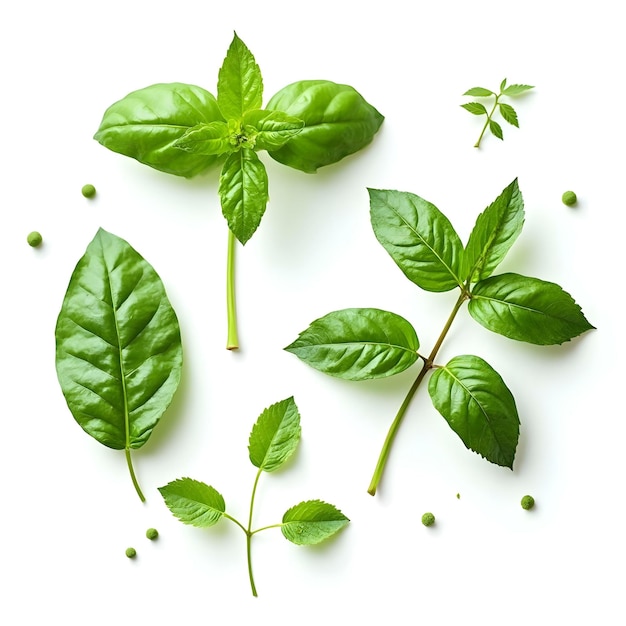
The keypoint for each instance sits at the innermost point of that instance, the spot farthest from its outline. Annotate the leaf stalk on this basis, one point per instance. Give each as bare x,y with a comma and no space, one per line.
493,110
129,462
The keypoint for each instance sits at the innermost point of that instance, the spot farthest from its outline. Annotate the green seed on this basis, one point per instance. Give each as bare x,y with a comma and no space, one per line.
131,553
34,239
89,191
428,519
569,198
152,533
528,502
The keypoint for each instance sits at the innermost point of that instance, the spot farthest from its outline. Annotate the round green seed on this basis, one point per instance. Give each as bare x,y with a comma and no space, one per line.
152,533
131,553
89,191
34,239
528,502
569,198
428,519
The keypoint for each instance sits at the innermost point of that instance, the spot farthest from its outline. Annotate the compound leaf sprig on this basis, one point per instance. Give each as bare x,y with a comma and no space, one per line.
508,113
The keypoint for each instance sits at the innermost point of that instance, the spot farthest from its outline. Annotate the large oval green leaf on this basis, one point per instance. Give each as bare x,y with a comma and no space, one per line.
312,522
146,124
118,345
338,121
358,344
478,406
527,309
418,237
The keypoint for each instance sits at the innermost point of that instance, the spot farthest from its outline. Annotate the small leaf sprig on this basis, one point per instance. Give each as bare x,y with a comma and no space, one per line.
273,439
361,344
508,113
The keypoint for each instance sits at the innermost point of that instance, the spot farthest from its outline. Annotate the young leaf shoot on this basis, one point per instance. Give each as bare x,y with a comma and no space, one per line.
360,344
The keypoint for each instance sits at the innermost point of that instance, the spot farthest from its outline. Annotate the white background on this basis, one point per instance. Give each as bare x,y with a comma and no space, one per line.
68,508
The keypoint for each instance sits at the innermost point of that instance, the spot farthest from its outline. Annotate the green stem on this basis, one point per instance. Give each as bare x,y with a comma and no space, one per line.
132,475
232,342
495,104
395,426
249,534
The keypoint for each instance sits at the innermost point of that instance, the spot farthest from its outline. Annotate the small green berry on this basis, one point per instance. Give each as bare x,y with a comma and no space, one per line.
152,533
89,191
428,519
131,553
569,198
34,239
528,502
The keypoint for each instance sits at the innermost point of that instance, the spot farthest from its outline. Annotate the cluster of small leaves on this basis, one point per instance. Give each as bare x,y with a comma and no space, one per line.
273,440
508,113
360,344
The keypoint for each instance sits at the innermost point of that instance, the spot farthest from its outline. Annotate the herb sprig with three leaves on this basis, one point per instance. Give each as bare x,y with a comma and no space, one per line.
273,439
184,130
360,344
508,113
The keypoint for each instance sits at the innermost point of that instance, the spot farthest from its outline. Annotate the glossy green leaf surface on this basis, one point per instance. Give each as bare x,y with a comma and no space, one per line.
118,345
338,122
527,309
495,231
206,139
239,82
243,192
273,129
147,123
193,502
358,344
312,522
275,435
478,406
418,237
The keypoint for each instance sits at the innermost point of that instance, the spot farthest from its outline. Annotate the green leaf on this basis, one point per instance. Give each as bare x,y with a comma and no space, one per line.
275,435
479,92
193,502
495,129
146,124
516,90
502,85
509,114
495,231
312,522
419,238
118,346
475,107
527,309
338,122
239,83
206,139
358,344
478,406
243,192
274,128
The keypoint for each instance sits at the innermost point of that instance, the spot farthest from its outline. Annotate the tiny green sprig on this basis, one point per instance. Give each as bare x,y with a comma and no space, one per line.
508,113
274,438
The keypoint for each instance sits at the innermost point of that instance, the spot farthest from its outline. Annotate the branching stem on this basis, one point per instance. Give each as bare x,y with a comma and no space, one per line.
395,426
493,110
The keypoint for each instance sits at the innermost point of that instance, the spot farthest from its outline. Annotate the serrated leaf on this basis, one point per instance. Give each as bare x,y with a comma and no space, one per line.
509,114
275,435
193,502
516,90
239,82
478,406
418,237
206,139
312,522
273,128
527,309
495,129
475,108
358,344
479,92
495,231
243,191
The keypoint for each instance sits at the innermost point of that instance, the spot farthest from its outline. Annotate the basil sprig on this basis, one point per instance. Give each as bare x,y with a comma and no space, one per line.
359,344
184,130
